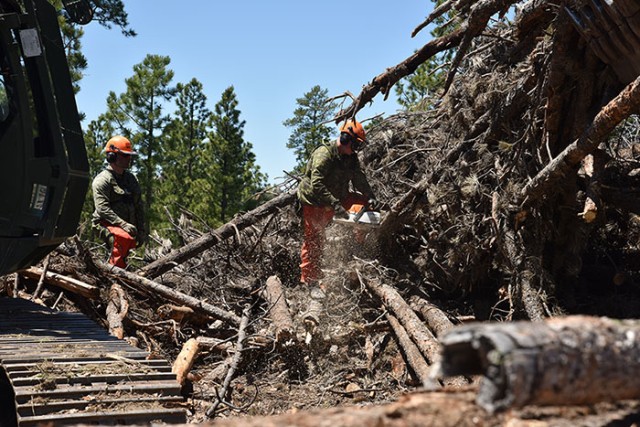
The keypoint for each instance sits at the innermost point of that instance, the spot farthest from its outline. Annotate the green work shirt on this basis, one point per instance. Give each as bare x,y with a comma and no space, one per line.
327,177
117,199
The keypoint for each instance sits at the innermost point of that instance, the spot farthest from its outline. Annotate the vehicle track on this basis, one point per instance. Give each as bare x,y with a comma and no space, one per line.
63,368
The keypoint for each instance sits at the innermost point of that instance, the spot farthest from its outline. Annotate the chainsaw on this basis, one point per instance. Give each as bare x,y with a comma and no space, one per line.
361,217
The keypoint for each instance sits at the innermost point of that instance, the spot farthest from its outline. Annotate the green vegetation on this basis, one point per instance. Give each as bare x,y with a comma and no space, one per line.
309,124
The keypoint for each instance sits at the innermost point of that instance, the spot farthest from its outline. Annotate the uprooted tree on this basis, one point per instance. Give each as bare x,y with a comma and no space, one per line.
510,197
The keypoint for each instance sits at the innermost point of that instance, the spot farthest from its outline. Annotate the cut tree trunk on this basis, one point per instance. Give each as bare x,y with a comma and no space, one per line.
273,293
209,240
419,333
117,310
185,360
577,360
68,283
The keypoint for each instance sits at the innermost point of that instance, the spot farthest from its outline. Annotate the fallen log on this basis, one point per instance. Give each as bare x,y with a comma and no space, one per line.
433,409
149,286
207,241
437,319
418,332
273,293
185,360
412,354
576,360
67,283
117,310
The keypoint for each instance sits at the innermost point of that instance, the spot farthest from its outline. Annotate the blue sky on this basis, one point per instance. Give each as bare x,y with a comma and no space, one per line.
272,52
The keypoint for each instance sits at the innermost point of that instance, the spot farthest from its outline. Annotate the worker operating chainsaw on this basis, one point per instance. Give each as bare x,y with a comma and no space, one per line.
324,193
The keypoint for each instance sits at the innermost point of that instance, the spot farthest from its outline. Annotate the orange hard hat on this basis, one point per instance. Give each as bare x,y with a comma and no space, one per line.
355,129
119,144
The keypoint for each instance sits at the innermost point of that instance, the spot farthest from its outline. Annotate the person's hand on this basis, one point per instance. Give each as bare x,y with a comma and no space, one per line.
340,212
373,204
130,228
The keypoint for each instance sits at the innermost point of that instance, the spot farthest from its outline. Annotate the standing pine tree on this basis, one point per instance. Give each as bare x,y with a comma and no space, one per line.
138,115
186,165
419,90
308,123
237,177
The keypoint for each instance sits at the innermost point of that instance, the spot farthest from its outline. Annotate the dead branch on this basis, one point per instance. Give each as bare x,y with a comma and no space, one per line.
626,103
242,333
149,286
577,360
45,268
209,240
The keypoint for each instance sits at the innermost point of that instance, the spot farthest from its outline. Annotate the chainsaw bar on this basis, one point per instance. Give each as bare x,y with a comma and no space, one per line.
368,219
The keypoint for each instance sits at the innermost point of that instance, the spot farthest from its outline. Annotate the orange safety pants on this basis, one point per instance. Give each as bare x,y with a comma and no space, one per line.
315,220
123,242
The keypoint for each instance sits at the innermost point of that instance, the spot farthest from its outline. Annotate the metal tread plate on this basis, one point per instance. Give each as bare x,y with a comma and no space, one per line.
63,368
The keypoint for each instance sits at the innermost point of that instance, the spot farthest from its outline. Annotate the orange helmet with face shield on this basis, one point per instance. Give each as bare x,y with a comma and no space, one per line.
119,144
356,131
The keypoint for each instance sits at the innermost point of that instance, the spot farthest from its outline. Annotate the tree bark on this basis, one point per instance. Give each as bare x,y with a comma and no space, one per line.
412,354
68,283
419,333
117,310
424,339
577,360
149,286
273,293
209,240
185,360
437,319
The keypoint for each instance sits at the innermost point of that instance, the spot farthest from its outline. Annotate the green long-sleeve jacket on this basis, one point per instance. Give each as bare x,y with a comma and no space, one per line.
117,200
327,177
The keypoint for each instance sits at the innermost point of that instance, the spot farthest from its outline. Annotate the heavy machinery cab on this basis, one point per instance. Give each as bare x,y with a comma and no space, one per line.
44,172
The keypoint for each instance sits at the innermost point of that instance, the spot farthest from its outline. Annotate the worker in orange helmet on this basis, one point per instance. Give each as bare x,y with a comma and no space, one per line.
119,214
324,193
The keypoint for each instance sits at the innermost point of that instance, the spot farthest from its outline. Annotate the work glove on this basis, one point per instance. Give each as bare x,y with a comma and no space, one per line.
340,212
130,228
373,204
